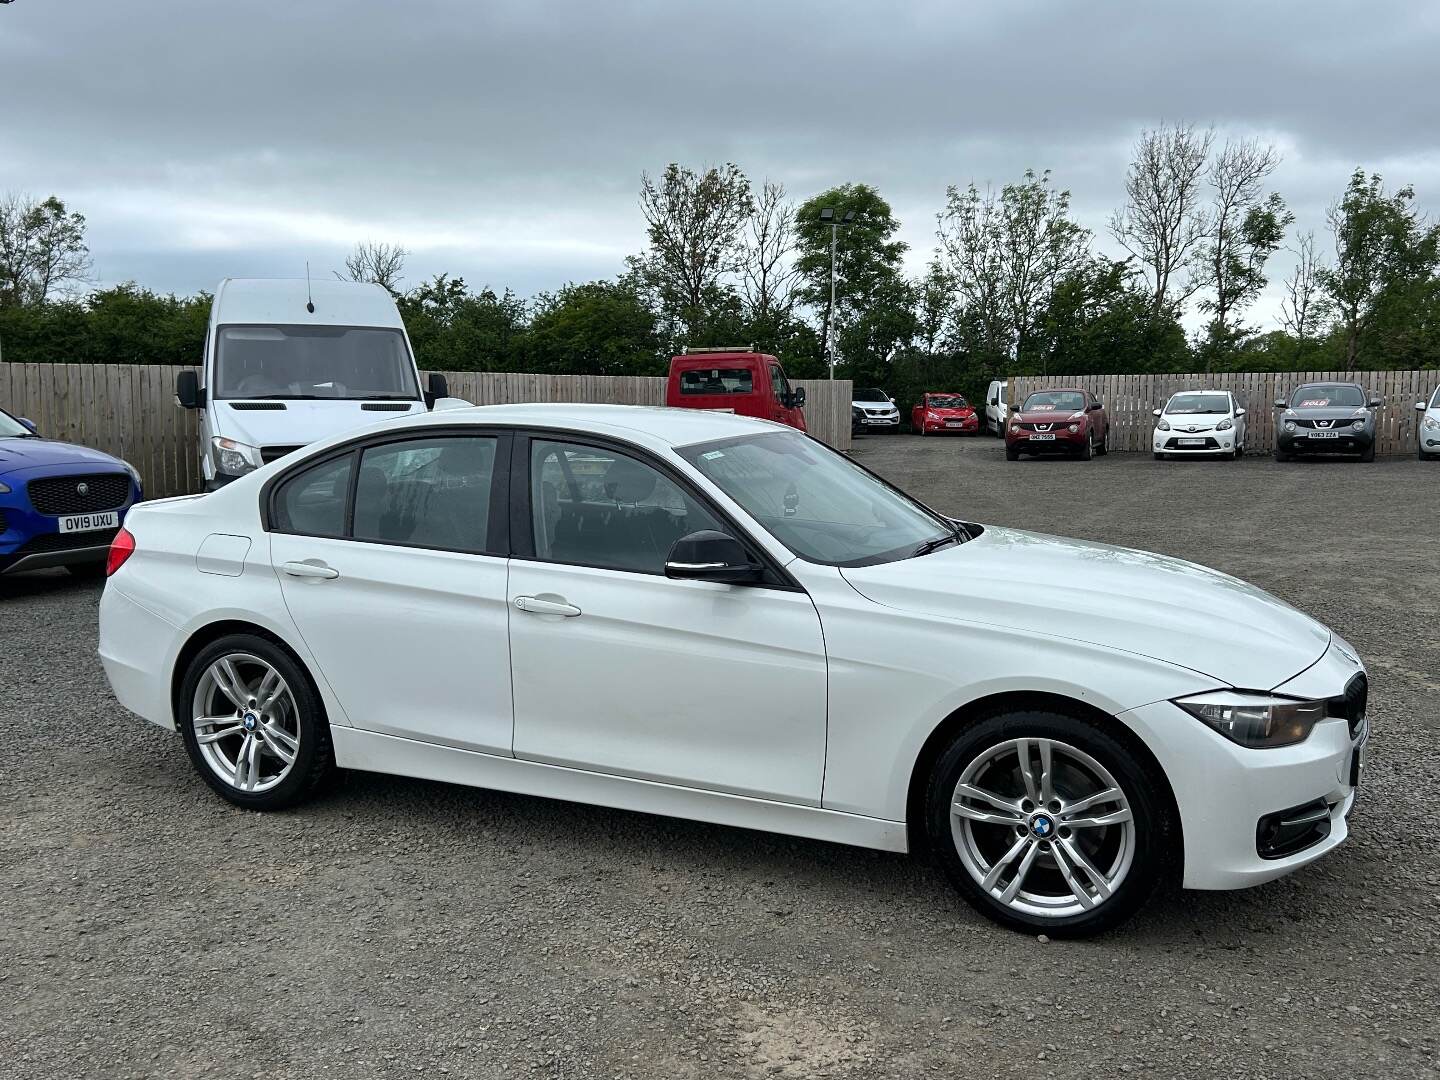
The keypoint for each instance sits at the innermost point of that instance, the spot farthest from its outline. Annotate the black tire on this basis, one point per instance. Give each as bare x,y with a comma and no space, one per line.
314,762
1155,836
1087,451
87,571
1012,453
1368,454
1104,443
1281,455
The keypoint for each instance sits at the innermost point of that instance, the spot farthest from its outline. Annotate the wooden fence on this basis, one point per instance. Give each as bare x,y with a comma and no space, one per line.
1130,401
130,411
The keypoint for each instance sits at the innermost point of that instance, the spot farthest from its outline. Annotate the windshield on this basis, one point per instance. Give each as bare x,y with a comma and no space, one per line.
1196,404
1327,396
11,428
871,394
816,502
945,401
343,362
1055,401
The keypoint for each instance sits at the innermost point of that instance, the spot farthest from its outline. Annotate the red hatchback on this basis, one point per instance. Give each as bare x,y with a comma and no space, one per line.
1068,421
941,414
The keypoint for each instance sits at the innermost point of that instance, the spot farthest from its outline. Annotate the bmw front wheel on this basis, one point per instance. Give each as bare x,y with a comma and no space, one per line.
1048,823
253,723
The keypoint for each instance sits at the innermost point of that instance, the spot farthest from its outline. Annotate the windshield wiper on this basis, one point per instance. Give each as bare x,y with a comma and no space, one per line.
956,535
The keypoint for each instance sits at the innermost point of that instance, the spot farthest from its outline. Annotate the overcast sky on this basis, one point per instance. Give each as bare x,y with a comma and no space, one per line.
504,140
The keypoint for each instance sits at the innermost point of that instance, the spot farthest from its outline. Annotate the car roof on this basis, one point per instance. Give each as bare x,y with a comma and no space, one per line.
674,426
281,302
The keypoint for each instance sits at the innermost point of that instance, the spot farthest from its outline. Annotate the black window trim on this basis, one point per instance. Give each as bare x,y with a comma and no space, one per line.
498,531
522,522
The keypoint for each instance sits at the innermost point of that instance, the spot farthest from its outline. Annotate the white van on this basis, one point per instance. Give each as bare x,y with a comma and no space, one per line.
997,407
288,362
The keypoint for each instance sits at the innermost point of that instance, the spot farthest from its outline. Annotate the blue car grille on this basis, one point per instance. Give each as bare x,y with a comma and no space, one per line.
88,494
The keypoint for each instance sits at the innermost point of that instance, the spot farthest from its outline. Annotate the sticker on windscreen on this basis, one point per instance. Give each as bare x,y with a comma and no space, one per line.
1316,403
712,455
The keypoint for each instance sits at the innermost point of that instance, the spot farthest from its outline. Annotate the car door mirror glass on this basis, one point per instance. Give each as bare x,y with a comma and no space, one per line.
709,555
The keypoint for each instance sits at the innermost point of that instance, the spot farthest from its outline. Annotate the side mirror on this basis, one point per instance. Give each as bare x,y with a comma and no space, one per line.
1098,405
31,424
1419,405
1376,403
1279,403
796,398
436,387
710,556
1154,412
188,392
1239,412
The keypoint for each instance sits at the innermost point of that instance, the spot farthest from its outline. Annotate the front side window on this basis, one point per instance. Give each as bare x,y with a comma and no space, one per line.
1055,401
427,493
597,507
816,502
1198,404
717,381
312,502
779,384
1328,396
313,362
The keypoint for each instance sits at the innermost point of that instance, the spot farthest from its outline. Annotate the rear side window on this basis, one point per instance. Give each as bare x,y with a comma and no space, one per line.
717,381
427,493
312,503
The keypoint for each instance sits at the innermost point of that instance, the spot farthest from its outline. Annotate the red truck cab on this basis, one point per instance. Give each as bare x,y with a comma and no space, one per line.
735,380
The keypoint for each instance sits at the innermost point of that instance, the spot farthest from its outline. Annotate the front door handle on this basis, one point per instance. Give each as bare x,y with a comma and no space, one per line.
536,606
316,570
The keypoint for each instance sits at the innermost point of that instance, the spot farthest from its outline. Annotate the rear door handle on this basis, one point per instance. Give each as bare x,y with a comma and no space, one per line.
310,570
536,606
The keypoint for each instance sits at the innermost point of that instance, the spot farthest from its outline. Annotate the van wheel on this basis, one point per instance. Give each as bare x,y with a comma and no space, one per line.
253,724
1045,822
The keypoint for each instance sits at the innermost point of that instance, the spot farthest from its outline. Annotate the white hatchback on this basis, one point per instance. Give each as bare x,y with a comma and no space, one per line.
1428,439
719,618
1203,423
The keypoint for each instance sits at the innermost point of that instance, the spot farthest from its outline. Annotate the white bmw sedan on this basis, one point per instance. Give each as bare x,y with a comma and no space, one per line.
1201,423
719,618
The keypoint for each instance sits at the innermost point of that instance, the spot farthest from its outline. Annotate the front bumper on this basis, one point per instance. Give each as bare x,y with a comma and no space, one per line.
880,423
1223,790
30,540
1346,441
1065,439
945,427
1183,442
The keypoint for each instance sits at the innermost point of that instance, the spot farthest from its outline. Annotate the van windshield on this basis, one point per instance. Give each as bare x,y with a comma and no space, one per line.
313,362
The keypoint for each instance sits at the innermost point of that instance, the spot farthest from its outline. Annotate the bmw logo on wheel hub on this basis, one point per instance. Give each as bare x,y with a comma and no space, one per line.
1042,826
250,721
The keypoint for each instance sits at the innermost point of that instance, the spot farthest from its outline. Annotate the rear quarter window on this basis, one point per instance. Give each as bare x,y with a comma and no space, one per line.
717,381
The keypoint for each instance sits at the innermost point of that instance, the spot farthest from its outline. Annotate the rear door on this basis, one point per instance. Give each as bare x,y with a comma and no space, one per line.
619,669
391,559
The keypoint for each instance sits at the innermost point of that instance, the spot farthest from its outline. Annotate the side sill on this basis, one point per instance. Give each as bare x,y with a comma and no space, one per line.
373,752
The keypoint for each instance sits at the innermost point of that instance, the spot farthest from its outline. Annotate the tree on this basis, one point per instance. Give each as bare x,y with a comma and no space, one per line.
1006,253
1243,230
453,329
43,253
381,264
598,328
1101,318
867,257
768,273
1163,219
1384,252
693,221
1305,308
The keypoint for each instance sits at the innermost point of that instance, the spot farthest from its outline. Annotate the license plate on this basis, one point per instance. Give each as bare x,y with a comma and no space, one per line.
880,420
954,423
87,522
1191,442
1042,438
1324,435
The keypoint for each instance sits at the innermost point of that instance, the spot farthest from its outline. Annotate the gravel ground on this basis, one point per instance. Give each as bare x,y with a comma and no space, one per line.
400,928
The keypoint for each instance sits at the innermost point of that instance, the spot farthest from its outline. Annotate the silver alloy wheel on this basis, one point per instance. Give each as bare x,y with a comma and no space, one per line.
246,722
1042,827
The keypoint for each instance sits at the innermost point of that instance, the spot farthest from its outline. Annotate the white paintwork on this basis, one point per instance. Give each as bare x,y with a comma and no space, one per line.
997,406
1197,426
282,302
800,712
1429,423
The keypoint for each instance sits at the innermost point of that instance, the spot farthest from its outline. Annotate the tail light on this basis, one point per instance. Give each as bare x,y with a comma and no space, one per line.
121,548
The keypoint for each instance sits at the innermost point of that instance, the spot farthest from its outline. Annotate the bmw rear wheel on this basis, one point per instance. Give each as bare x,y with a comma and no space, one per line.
253,724
1048,823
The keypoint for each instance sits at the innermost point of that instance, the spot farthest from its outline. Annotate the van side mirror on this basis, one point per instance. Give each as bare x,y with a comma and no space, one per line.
708,555
436,387
29,424
796,398
188,392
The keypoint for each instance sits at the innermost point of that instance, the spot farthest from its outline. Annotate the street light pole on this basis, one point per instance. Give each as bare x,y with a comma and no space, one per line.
827,216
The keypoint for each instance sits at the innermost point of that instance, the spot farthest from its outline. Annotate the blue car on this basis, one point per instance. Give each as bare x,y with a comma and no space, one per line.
60,504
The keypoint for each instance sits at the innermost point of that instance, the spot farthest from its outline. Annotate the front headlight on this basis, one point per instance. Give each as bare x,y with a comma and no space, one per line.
1255,720
1432,422
134,474
1289,425
1163,425
4,488
1074,428
1358,425
235,458
1225,425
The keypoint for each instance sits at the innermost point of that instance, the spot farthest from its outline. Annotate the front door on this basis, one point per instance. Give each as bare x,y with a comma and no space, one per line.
391,561
618,669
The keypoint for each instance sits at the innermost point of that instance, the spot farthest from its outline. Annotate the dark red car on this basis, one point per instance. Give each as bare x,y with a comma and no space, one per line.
939,414
1066,421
